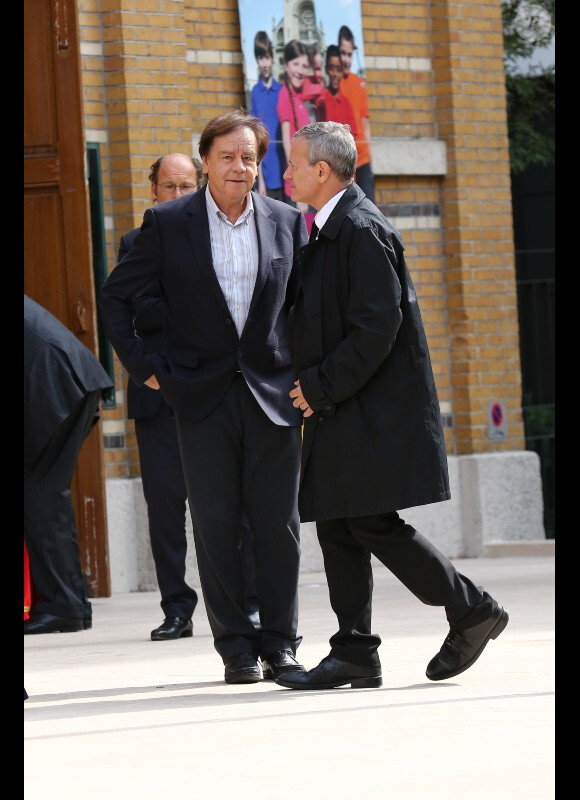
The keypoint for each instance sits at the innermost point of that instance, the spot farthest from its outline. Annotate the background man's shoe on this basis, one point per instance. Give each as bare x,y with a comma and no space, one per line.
278,663
461,649
242,668
172,628
49,623
331,673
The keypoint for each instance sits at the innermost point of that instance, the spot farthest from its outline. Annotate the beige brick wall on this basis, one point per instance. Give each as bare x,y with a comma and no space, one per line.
155,71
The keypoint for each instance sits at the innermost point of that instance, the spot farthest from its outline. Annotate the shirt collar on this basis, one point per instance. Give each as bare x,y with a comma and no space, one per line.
327,209
213,209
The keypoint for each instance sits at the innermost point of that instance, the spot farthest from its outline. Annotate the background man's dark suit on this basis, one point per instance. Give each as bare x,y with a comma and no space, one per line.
161,470
63,385
201,357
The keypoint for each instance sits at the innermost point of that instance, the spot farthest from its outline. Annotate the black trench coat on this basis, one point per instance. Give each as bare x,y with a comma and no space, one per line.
375,442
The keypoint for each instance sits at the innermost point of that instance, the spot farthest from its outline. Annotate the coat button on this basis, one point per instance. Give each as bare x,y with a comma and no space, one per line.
240,354
328,408
321,419
228,322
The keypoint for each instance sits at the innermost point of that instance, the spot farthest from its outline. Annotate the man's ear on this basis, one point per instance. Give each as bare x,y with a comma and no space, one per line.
154,192
322,171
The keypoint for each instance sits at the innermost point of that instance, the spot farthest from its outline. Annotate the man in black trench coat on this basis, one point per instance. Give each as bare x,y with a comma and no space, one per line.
63,387
373,440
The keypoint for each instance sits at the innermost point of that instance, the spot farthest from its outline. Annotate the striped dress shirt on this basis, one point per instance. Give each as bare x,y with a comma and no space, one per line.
234,248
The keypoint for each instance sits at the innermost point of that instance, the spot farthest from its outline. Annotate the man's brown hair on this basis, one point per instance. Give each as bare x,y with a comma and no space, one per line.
227,123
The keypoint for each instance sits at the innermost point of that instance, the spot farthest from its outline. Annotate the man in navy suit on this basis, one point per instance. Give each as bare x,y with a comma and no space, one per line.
226,261
164,489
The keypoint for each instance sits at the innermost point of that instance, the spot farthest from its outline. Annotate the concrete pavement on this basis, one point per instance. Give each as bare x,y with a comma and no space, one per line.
114,716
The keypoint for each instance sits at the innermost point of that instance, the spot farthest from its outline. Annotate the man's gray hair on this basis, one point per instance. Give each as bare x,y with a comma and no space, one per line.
331,142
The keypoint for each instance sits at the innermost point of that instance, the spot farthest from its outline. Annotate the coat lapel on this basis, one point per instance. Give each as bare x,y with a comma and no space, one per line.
313,264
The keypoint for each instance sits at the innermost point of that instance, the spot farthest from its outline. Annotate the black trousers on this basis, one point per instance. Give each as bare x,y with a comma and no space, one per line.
166,495
237,459
50,529
347,545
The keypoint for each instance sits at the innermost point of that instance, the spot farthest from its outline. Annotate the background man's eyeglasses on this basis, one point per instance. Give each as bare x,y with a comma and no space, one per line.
183,187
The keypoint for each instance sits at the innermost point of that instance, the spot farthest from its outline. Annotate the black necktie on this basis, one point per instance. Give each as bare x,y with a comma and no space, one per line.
313,233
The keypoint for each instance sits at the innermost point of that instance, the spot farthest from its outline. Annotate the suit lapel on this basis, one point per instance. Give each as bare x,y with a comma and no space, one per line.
266,233
198,231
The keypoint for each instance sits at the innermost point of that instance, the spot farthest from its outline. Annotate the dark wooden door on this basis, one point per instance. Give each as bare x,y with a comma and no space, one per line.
57,245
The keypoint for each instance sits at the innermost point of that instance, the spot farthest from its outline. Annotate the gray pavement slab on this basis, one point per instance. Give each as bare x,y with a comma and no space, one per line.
115,716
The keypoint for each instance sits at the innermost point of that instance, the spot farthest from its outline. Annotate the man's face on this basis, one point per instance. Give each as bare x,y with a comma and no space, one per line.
176,176
346,49
265,65
334,71
301,175
231,166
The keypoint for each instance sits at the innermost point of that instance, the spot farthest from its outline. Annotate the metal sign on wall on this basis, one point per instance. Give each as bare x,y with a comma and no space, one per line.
496,421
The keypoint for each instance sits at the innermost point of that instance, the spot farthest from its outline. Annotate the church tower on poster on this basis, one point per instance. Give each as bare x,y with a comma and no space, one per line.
299,22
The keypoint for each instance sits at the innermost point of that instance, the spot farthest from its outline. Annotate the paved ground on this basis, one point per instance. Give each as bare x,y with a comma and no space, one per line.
114,716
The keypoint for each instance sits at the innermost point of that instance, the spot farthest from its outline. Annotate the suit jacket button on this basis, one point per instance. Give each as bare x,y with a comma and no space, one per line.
228,322
328,408
240,354
321,419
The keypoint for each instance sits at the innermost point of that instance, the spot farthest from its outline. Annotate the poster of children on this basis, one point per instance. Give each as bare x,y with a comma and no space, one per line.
304,62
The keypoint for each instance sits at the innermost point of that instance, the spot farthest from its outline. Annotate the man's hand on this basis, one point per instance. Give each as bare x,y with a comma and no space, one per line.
152,382
299,401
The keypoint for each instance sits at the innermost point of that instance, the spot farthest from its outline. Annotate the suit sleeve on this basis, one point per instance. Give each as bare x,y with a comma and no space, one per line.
136,270
372,318
149,308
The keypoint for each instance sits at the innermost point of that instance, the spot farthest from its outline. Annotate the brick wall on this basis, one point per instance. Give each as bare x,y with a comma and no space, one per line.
155,71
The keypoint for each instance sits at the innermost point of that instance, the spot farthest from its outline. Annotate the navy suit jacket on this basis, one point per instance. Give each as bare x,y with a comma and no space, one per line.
201,349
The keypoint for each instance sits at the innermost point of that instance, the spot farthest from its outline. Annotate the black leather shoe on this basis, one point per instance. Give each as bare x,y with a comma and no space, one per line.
331,673
49,623
461,649
242,668
172,628
278,663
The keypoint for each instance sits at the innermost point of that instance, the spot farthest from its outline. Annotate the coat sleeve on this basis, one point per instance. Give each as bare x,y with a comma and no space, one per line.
371,317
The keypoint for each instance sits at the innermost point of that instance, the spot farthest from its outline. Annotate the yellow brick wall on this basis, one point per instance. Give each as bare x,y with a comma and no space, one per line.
155,71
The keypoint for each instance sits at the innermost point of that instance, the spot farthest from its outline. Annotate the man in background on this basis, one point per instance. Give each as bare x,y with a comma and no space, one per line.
172,175
63,386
